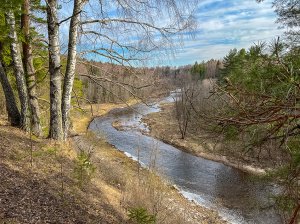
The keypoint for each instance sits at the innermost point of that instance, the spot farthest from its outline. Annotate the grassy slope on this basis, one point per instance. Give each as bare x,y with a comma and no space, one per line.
38,183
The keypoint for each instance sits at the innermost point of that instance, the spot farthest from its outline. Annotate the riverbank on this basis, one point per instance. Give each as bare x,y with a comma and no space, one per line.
81,118
137,187
164,126
134,188
84,180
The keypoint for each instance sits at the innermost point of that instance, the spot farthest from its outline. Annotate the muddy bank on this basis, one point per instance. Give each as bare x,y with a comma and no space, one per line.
163,126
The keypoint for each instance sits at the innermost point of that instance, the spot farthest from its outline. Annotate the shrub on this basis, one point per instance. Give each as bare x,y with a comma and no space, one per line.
84,169
141,216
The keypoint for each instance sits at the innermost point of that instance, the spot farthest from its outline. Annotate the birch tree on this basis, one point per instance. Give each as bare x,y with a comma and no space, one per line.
18,70
13,113
122,38
56,129
71,64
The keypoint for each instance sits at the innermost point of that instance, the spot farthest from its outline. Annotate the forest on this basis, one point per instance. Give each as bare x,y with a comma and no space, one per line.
67,67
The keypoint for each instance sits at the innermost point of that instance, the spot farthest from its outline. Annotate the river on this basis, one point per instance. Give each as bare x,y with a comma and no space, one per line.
239,197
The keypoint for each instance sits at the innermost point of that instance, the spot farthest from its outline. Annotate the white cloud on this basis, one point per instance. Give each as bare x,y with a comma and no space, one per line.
237,24
222,25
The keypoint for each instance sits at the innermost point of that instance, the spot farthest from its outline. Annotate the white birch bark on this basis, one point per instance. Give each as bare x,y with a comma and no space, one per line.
19,71
71,64
56,130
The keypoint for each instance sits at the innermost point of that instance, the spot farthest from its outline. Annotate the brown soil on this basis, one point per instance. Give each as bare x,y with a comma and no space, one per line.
38,183
164,126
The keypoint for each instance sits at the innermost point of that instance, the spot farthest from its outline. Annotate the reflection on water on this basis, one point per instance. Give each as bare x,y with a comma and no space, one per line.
236,195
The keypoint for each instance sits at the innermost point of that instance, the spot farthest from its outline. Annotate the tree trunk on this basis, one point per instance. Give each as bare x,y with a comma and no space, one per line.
56,130
13,113
19,71
71,65
30,71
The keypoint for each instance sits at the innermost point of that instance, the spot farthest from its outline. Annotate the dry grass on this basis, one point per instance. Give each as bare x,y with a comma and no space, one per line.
151,193
81,117
128,186
38,185
163,125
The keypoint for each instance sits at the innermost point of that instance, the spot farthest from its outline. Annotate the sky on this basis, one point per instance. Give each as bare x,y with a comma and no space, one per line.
221,25
224,25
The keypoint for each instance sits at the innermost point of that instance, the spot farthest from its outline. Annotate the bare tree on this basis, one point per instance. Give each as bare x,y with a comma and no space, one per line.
183,107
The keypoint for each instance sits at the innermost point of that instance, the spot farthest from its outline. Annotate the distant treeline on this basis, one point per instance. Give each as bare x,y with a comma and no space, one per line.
199,70
106,82
117,83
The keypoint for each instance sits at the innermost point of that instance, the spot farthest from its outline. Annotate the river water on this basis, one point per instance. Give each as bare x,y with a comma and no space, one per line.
237,196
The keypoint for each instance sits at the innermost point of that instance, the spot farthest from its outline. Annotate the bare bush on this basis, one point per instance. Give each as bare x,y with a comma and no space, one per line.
183,109
191,102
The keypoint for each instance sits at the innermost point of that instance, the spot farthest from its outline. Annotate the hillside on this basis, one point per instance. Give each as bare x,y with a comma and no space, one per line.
43,181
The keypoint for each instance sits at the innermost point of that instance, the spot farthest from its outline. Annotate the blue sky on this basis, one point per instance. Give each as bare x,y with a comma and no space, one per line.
221,26
224,25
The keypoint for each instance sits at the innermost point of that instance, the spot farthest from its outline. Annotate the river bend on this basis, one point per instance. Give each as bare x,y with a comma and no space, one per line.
237,196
